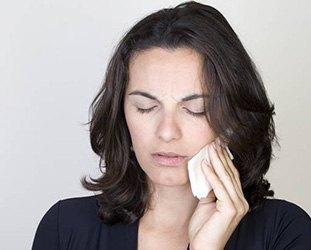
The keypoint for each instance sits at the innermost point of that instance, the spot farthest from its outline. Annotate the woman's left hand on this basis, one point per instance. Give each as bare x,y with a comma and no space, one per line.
217,215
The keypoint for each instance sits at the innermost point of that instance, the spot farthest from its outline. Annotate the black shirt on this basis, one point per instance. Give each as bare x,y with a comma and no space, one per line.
73,224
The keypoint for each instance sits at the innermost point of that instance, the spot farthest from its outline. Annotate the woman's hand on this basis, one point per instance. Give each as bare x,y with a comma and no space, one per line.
217,215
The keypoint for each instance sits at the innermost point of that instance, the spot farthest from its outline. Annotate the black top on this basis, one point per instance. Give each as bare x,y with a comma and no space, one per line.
73,224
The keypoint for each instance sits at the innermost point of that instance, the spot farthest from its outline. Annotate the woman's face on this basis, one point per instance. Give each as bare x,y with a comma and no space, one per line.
164,111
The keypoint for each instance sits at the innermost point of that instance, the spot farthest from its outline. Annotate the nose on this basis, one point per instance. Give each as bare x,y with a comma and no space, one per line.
169,129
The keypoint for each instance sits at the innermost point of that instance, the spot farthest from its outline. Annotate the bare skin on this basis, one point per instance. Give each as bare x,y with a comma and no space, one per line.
166,224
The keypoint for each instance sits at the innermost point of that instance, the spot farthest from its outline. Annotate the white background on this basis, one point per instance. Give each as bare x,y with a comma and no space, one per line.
53,55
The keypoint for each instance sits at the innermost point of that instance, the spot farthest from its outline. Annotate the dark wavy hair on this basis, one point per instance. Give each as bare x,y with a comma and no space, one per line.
238,109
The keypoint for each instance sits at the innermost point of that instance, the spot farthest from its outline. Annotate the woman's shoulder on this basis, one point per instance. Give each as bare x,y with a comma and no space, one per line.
277,214
74,224
81,210
275,224
280,209
68,217
75,211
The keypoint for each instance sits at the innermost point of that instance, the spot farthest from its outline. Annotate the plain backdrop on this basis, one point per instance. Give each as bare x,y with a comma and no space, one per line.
53,56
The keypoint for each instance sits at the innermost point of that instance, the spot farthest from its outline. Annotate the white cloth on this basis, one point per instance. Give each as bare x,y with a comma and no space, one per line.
199,185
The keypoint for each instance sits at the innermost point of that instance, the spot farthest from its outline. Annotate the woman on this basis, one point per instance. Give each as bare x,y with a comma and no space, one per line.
179,79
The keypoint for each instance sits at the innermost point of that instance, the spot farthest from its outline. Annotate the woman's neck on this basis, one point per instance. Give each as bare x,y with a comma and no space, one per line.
171,207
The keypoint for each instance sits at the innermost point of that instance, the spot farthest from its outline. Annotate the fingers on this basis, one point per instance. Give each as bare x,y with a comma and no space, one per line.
228,164
220,166
219,190
234,174
224,178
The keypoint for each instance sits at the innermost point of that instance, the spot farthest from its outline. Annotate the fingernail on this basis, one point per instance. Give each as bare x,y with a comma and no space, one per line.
218,141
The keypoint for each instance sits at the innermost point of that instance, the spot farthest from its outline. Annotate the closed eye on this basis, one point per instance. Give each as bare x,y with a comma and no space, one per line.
197,114
147,110
141,110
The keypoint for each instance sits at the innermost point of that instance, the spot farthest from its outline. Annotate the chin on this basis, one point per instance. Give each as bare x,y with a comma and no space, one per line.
168,176
170,181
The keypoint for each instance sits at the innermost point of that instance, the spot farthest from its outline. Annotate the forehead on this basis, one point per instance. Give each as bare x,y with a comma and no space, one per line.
156,68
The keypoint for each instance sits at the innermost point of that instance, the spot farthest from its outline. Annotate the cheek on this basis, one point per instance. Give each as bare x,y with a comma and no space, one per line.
199,134
140,135
139,130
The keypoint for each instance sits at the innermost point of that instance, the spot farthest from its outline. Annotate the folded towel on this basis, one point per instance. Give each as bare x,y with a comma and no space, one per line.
199,185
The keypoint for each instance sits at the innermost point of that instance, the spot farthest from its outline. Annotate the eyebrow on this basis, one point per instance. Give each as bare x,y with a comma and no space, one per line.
184,99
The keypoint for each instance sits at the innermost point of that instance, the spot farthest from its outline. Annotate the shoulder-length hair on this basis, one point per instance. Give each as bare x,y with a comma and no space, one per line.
238,109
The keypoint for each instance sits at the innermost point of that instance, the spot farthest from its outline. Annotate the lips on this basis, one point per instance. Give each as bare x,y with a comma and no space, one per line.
168,158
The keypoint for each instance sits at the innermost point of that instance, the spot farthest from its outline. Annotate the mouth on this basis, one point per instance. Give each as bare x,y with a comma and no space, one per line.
168,158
